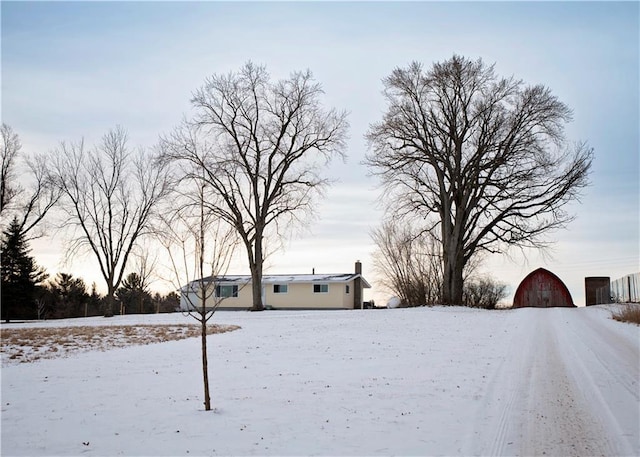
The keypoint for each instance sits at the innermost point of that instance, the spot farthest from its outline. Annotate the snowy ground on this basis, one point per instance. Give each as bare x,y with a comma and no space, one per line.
428,381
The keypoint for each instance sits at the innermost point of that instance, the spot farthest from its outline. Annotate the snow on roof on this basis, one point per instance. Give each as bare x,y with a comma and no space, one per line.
288,279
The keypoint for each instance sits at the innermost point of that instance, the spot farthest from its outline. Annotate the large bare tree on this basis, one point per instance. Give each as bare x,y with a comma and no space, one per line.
110,195
26,192
482,159
200,247
260,145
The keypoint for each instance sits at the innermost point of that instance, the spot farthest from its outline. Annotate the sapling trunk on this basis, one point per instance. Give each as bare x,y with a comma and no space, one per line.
205,364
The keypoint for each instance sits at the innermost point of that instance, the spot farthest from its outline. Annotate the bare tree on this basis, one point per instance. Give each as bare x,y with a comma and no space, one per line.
41,308
483,160
409,262
259,145
110,196
200,247
145,264
31,199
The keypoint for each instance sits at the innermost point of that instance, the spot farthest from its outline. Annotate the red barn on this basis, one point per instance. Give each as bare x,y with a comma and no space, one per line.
542,289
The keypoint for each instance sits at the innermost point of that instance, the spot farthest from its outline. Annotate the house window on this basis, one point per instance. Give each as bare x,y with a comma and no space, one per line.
320,288
226,291
280,288
346,289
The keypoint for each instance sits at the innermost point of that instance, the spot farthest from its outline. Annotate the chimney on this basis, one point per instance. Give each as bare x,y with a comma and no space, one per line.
357,287
313,271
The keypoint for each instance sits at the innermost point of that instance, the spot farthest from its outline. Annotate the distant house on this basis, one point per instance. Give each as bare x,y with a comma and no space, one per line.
542,289
298,291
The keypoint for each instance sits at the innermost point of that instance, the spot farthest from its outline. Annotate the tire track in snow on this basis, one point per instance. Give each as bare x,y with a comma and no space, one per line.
557,420
604,364
501,402
616,353
540,401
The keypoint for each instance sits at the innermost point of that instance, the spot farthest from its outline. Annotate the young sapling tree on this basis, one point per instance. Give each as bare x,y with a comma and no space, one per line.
200,247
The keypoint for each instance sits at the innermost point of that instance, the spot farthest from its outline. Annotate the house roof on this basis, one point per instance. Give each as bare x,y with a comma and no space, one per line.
288,279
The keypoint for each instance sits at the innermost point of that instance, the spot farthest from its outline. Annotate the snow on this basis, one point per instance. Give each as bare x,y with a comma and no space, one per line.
393,302
425,381
284,278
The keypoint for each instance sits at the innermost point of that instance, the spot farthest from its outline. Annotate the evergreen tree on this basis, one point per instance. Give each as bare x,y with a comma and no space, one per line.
95,302
134,296
166,303
20,275
71,296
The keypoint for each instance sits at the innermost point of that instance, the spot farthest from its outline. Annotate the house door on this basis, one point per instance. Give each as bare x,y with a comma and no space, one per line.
264,296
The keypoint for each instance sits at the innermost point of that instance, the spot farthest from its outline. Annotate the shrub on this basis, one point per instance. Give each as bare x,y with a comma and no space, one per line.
627,313
483,293
409,263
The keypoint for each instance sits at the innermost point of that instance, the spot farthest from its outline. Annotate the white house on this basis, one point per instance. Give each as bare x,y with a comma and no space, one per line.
314,291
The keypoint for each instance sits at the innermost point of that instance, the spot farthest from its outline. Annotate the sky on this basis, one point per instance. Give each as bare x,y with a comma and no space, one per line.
73,70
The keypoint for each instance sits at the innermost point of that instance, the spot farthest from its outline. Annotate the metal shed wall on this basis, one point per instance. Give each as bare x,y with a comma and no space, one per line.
542,289
597,290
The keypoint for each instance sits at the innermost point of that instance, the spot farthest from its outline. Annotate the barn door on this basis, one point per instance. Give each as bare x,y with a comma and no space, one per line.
544,294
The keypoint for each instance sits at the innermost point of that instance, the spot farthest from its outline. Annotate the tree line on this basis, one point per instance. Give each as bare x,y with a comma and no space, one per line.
470,164
29,293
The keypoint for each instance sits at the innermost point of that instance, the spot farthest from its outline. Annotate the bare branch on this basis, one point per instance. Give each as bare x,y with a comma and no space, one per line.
9,149
28,201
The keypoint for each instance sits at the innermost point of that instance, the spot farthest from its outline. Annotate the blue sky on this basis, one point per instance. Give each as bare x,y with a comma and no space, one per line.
73,70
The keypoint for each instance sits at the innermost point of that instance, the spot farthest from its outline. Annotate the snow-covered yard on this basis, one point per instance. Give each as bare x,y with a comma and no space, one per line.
427,381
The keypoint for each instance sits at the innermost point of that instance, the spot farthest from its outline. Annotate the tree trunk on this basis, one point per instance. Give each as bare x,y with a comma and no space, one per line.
108,309
453,283
457,284
256,286
205,365
453,271
256,275
446,281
